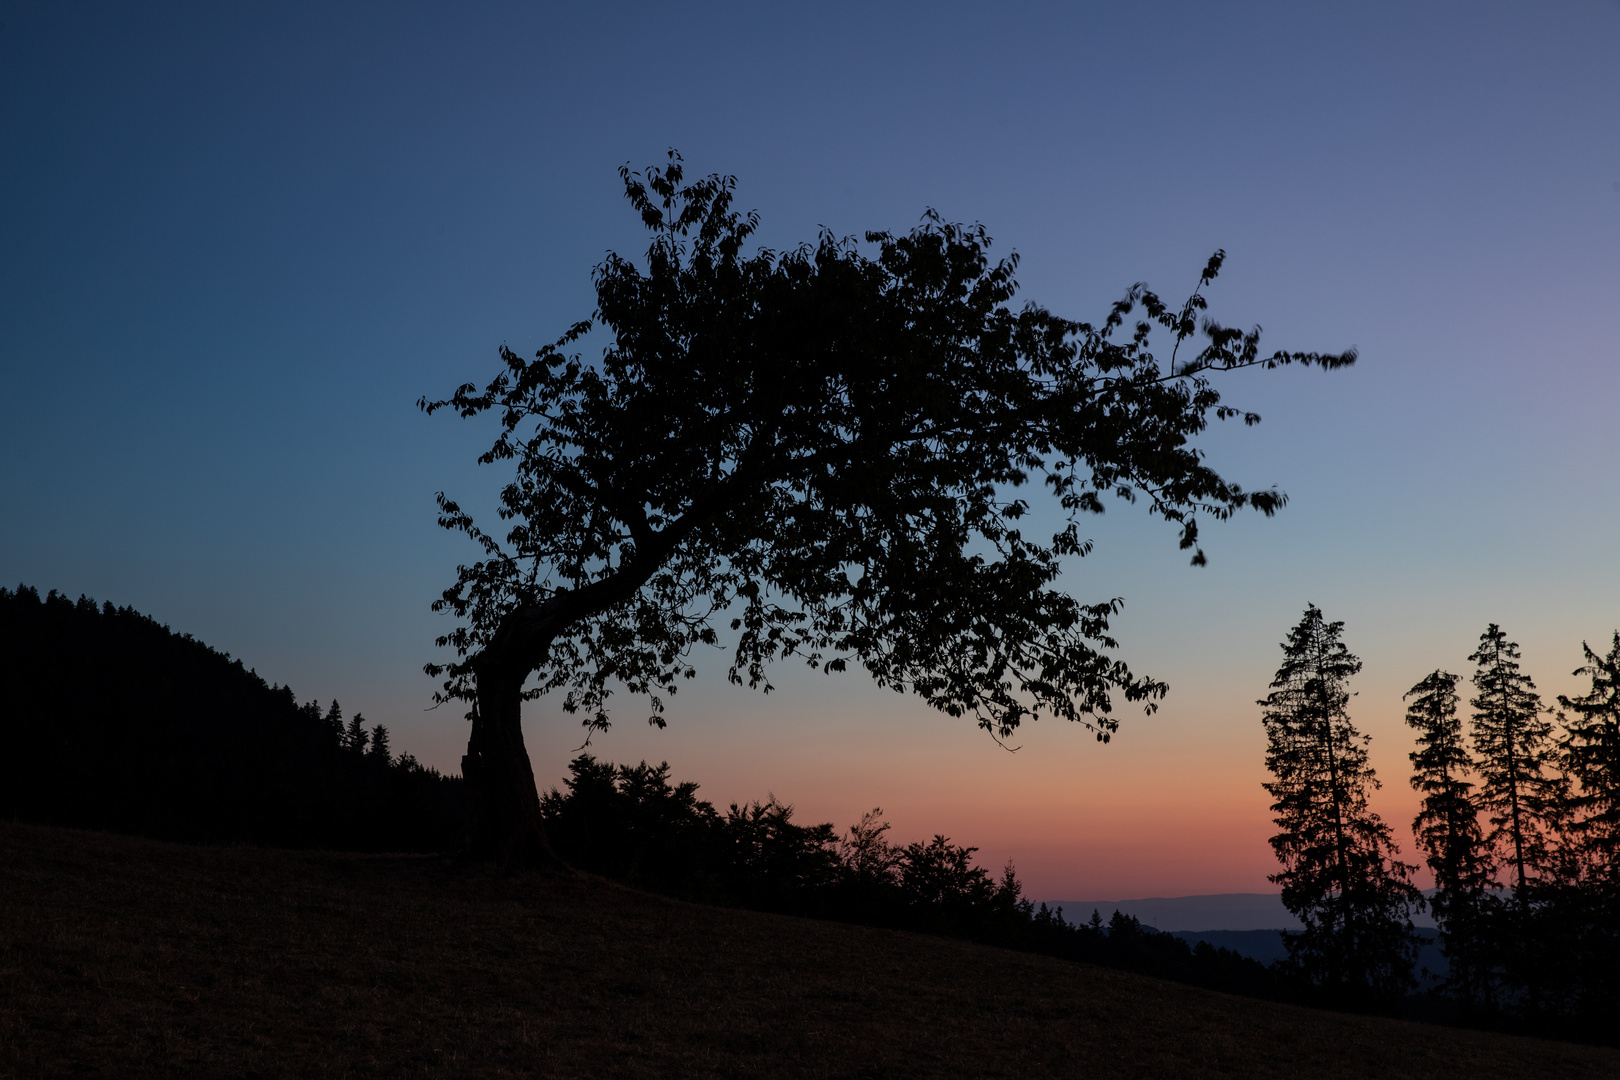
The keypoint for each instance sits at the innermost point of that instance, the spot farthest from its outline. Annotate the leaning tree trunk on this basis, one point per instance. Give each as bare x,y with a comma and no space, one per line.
503,805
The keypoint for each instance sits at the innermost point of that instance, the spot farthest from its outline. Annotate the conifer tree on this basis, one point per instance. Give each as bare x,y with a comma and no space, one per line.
1514,747
1339,874
355,737
379,749
1591,757
334,720
1447,831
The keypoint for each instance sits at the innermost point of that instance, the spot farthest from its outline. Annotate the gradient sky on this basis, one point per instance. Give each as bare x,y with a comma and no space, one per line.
238,241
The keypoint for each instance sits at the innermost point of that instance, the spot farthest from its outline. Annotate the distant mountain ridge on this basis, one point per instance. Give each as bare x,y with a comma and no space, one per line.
1211,912
1250,924
1267,947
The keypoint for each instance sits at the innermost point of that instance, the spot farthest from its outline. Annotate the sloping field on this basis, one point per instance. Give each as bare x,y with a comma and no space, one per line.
125,957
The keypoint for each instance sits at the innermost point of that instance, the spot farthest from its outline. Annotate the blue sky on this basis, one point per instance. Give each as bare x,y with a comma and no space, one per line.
237,242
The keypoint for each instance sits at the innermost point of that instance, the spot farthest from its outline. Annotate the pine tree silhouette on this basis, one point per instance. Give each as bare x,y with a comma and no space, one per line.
1513,742
1339,875
1591,756
355,737
1448,833
334,721
379,751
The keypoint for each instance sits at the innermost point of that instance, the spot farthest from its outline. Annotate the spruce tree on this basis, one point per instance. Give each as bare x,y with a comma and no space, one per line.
379,749
1515,751
1447,831
1339,875
355,736
1591,757
334,720
1582,919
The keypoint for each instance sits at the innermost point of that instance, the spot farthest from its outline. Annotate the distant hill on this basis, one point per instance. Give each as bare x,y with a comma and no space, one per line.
111,720
1250,924
1267,947
1216,911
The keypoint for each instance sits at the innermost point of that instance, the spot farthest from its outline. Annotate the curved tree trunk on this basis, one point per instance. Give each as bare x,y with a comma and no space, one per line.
503,805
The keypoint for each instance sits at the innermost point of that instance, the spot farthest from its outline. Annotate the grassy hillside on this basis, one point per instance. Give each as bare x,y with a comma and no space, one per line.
128,957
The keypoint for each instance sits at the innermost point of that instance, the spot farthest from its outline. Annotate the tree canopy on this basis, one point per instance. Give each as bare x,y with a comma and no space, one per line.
837,447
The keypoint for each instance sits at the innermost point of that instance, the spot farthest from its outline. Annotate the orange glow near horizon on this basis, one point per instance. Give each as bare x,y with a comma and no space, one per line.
1172,806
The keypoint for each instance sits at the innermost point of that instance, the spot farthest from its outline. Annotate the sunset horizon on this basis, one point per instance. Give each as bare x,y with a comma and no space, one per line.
210,406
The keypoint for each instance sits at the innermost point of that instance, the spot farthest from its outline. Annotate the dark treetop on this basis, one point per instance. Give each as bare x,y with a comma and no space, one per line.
837,446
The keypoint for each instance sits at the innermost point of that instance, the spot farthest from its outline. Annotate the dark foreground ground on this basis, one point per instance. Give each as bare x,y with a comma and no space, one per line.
127,958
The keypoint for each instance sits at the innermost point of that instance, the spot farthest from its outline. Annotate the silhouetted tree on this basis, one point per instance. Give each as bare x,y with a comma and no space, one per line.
1591,758
1339,876
355,735
866,851
1516,756
1564,952
834,445
333,720
379,750
939,878
1448,833
773,861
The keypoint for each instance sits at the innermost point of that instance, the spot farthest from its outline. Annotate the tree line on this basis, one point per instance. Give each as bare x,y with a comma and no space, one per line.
113,721
1518,821
631,823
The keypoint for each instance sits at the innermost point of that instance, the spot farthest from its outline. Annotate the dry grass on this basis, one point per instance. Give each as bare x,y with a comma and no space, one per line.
123,957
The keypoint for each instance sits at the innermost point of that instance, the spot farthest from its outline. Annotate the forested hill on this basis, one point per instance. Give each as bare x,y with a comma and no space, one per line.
112,721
